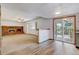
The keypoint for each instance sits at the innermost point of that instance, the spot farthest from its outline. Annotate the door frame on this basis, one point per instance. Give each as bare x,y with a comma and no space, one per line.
74,25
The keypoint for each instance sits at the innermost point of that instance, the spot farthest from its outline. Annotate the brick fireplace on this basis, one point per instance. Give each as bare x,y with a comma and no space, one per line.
9,30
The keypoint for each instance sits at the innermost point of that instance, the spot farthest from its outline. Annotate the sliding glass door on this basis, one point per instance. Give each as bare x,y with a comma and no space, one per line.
58,29
64,29
68,25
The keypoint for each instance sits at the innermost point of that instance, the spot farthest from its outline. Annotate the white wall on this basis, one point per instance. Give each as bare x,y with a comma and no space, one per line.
10,23
43,23
77,21
51,29
0,22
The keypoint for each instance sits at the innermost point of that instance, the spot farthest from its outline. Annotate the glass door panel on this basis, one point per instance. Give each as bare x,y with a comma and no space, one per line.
68,29
58,31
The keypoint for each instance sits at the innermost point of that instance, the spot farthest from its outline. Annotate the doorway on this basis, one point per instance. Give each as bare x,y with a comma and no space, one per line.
64,29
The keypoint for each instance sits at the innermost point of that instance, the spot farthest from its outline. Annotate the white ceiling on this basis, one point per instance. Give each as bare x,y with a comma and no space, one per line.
45,9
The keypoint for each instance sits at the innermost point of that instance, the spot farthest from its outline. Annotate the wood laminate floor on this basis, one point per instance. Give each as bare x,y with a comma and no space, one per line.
49,47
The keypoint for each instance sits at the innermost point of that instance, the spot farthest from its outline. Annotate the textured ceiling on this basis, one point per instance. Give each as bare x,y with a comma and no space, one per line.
45,9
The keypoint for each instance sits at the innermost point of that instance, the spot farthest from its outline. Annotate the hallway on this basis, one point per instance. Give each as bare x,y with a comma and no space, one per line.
49,47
